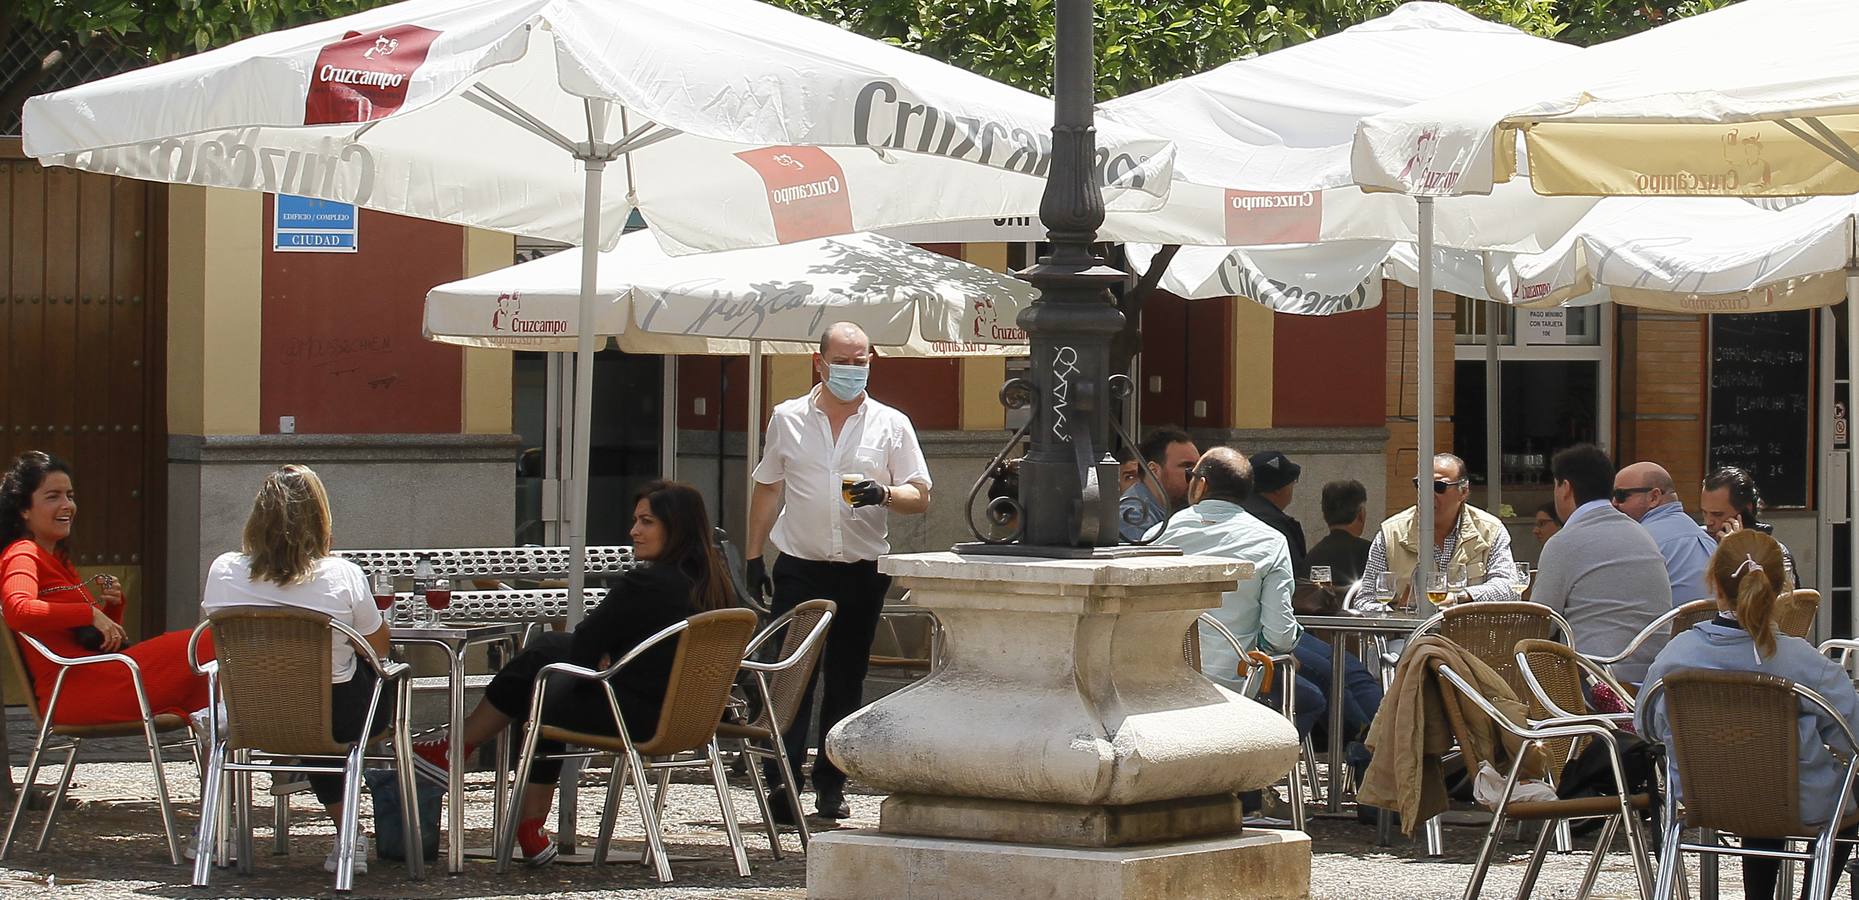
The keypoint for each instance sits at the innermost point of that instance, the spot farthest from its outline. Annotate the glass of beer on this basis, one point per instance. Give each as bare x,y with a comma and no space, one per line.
846,481
1436,589
1320,576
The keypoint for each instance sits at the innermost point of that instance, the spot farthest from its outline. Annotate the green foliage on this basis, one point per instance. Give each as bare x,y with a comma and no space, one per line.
164,29
1141,43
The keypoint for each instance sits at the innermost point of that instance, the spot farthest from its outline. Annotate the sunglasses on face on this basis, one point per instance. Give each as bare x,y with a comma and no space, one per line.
1621,495
1439,487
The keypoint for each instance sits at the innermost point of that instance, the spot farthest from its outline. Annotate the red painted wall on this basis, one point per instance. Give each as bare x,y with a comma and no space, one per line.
1330,370
341,348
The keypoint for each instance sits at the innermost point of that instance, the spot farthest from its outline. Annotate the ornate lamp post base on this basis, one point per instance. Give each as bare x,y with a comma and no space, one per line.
1063,747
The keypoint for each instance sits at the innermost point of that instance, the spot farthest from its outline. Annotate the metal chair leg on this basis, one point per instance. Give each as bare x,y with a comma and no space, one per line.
25,787
411,828
242,815
350,826
610,811
1671,864
161,792
761,799
732,827
654,835
1565,837
58,796
280,820
206,840
786,767
1535,865
1436,837
1319,789
1601,846
506,829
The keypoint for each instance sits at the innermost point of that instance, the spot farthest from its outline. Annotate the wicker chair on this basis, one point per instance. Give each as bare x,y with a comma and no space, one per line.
1256,669
1491,629
1734,739
1622,808
711,646
149,727
1797,612
779,685
271,676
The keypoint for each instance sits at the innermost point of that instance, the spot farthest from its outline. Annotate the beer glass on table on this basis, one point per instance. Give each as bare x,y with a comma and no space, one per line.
1384,592
1456,583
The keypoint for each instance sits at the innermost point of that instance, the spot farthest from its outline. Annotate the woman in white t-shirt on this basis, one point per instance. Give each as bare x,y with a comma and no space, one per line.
285,561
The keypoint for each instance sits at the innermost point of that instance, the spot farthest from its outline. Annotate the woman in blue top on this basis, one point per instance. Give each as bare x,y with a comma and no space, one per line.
1747,575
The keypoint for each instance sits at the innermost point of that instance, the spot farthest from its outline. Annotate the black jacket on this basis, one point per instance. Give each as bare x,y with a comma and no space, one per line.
1287,526
1344,553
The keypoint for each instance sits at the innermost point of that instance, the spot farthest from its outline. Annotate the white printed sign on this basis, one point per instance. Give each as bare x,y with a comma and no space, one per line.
1546,326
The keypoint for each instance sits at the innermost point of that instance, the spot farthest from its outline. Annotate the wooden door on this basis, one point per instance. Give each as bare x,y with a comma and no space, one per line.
82,363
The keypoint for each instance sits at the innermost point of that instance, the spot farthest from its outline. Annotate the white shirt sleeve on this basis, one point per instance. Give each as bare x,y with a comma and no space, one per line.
907,463
772,468
365,616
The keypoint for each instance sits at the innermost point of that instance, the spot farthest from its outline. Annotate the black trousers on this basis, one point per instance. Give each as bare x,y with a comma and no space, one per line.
572,704
1760,873
348,714
858,590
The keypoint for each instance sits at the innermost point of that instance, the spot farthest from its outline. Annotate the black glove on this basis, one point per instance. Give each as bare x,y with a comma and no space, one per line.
760,586
870,493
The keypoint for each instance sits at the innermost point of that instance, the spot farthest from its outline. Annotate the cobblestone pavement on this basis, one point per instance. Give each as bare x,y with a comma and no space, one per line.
109,846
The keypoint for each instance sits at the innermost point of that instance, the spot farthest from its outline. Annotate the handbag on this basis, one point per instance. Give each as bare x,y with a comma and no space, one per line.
1316,600
389,842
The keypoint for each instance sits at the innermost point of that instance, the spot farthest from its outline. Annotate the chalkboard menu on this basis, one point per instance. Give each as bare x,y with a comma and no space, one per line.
1761,401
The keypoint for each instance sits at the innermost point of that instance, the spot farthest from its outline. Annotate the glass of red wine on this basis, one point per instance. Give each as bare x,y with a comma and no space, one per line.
384,595
438,597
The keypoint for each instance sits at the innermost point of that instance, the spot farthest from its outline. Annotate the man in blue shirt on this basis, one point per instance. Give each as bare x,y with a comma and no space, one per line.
1170,455
1258,610
1645,491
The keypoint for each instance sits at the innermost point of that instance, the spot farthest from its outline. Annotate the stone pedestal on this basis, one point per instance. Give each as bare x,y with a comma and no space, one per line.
1063,743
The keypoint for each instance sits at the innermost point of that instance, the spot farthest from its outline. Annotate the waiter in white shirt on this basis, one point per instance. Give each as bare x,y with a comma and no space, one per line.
836,466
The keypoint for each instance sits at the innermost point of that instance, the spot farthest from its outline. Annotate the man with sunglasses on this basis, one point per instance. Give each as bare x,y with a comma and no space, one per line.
1645,491
1463,535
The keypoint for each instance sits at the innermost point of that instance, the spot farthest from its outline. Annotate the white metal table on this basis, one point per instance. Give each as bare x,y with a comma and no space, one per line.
1338,628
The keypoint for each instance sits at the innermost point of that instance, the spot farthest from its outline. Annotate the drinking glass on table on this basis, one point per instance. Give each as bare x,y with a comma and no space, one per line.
1384,592
1523,579
1320,576
438,597
1456,583
384,595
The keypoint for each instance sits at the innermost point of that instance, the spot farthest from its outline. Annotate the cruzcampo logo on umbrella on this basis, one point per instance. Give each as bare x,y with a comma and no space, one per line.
806,191
365,75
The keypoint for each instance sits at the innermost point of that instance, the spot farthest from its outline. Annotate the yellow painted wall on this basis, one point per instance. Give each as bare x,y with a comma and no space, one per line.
1252,371
215,284
487,378
788,376
982,376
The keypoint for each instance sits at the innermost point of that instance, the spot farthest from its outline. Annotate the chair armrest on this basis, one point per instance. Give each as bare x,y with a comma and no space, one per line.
61,660
1657,625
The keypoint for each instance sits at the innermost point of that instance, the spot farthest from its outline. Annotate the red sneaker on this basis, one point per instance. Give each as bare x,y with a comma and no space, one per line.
538,848
433,757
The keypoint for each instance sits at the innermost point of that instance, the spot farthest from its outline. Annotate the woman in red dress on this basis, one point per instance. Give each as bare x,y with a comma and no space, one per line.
42,596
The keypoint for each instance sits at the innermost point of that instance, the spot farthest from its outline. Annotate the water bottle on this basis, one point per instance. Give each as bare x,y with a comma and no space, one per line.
422,579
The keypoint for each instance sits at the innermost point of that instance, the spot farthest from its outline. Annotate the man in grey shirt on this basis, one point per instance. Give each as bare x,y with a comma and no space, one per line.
1602,571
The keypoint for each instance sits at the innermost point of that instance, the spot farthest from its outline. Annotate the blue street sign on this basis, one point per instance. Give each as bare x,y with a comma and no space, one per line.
309,225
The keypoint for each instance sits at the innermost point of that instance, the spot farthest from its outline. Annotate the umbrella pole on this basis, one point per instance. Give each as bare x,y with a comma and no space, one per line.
753,454
1494,443
1852,448
668,419
584,391
1423,430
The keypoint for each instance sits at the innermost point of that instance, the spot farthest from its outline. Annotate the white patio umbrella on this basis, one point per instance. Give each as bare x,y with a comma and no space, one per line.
910,301
736,124
1263,164
1660,113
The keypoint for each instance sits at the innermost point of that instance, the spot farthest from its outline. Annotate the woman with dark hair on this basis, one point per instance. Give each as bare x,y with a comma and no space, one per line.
683,576
43,597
